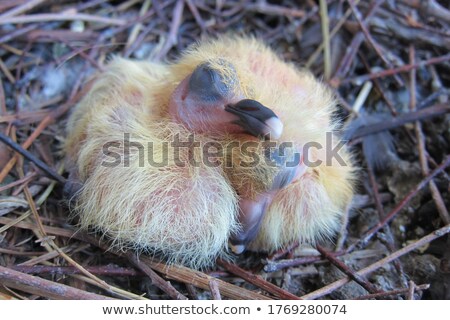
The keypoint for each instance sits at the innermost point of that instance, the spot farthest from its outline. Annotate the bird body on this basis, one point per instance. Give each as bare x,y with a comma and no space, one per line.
144,191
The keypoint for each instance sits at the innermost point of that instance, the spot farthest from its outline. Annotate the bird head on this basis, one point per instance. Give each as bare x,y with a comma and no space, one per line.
239,85
212,99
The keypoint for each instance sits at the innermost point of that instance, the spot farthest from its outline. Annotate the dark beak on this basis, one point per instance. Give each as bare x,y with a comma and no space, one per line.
256,119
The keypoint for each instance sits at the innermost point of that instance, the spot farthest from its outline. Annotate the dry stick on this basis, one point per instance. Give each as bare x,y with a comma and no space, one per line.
51,245
6,72
70,234
174,272
282,252
326,39
21,253
40,164
349,272
192,291
149,28
347,60
437,197
76,51
272,266
8,4
107,270
397,254
430,112
391,72
177,18
271,9
381,213
353,48
392,293
138,26
371,40
214,288
155,278
313,57
378,87
201,280
411,290
430,7
45,17
48,242
44,257
17,33
42,125
343,232
196,14
258,281
366,237
24,117
42,287
3,110
22,8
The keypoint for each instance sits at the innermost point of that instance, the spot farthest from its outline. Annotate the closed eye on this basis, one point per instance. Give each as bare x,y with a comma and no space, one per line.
245,108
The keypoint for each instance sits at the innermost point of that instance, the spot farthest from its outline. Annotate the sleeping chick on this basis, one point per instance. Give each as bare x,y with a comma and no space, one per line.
139,154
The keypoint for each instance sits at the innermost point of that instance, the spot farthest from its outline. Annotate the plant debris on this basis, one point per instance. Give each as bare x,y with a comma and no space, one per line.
389,65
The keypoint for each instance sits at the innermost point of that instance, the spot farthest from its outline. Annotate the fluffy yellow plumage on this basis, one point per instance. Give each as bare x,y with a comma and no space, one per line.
189,213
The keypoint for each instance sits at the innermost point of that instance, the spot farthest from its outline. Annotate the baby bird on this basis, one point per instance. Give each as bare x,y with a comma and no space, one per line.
229,147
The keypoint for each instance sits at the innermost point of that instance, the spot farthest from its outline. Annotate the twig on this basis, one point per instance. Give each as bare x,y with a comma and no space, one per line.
419,243
6,72
177,18
155,278
214,289
362,97
326,38
349,57
370,39
390,72
175,272
430,7
411,290
196,15
282,252
137,27
45,17
31,157
272,266
437,197
25,179
313,57
430,112
3,110
349,272
271,9
42,125
201,280
42,287
59,270
392,293
22,8
381,214
366,237
258,281
192,291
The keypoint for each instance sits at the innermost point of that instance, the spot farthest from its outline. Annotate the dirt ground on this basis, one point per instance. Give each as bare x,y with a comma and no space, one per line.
388,62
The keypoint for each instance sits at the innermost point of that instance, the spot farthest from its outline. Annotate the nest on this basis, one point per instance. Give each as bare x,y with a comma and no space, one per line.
388,63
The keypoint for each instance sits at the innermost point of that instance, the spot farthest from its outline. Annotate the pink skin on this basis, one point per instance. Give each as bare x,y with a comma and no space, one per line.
252,211
211,117
199,116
